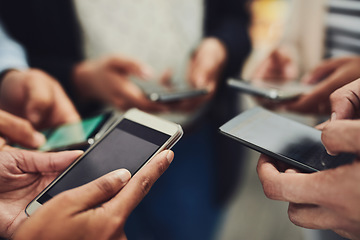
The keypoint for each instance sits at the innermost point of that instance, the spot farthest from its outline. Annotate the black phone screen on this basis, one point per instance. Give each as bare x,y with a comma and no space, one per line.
283,139
129,145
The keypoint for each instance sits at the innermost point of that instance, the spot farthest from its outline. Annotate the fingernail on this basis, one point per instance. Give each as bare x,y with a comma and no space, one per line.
333,117
330,153
170,156
39,138
124,175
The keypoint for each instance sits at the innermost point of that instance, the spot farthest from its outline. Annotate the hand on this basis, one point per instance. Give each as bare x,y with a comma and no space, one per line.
279,67
23,175
204,72
323,200
331,75
107,80
18,130
38,97
76,214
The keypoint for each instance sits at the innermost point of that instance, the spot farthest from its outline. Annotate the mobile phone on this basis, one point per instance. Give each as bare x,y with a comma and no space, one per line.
283,139
176,95
130,143
78,135
276,92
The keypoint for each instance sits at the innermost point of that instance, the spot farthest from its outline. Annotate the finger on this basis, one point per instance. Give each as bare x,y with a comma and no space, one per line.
345,102
342,136
131,66
129,197
165,79
20,131
39,98
63,110
322,70
98,191
290,187
312,216
321,126
38,162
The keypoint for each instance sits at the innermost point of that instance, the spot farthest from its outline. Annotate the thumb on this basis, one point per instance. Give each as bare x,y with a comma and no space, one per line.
342,136
98,191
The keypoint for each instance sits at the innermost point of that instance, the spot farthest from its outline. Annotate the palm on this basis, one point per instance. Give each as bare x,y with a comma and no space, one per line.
22,178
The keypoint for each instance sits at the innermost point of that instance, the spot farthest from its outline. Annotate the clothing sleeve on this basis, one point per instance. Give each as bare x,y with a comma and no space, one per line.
228,21
12,54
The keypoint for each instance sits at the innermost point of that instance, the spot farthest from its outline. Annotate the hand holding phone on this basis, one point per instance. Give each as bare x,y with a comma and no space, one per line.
275,92
283,139
130,143
74,213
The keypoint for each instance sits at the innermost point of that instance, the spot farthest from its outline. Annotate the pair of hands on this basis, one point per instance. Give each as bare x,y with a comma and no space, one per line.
73,214
32,99
107,79
326,78
327,199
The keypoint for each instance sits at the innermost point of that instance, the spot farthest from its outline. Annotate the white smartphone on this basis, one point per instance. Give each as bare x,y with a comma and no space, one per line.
283,139
176,95
130,143
276,92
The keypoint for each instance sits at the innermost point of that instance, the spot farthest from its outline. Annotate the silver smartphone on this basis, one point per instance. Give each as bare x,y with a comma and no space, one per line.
276,92
130,143
176,95
283,139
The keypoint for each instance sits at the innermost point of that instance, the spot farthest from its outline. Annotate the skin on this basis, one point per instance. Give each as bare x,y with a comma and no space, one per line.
327,77
23,174
204,71
76,214
18,130
107,79
327,199
36,96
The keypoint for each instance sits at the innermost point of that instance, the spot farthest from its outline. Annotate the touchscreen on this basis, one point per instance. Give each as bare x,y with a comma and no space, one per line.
268,132
129,145
72,133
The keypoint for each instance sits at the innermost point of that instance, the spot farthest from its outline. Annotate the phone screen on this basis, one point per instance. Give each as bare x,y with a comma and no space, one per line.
72,133
129,145
283,139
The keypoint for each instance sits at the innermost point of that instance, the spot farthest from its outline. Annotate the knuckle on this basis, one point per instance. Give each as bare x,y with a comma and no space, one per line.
105,186
293,215
145,185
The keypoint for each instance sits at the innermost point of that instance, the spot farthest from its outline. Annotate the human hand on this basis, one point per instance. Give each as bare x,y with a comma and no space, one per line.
279,67
329,76
204,71
322,200
18,130
107,79
97,210
23,175
36,96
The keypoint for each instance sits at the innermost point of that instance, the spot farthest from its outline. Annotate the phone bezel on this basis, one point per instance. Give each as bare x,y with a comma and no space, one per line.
174,130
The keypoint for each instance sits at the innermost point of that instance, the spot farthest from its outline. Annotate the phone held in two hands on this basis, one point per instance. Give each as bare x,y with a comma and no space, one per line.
283,139
131,142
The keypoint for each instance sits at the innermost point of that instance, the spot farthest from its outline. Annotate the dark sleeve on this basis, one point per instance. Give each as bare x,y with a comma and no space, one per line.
49,32
228,20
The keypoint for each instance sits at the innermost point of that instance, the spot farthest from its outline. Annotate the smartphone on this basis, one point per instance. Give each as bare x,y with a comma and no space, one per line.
130,143
283,139
78,135
276,92
176,95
